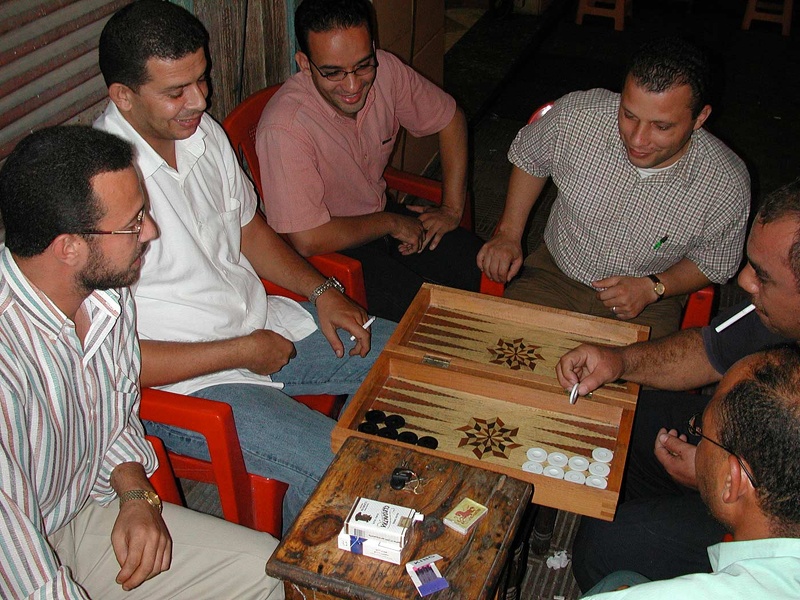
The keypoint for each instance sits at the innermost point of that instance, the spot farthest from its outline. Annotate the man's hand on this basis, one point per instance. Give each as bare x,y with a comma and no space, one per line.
436,221
592,366
409,232
500,258
265,352
337,311
141,544
677,457
625,297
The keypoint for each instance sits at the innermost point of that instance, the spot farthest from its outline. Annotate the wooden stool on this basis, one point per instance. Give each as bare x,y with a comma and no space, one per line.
774,12
616,9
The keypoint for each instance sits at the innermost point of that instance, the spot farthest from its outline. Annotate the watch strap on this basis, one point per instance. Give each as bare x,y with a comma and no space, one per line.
658,287
151,497
330,282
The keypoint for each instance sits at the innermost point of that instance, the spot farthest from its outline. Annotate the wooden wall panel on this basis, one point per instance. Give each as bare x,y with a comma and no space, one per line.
249,48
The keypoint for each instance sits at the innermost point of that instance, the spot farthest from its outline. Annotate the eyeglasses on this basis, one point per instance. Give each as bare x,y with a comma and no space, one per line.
134,229
340,74
696,428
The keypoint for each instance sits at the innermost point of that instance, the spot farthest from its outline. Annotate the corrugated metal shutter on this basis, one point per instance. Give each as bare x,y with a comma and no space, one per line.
48,64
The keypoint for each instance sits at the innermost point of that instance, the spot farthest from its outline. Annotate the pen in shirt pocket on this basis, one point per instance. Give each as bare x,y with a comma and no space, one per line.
660,242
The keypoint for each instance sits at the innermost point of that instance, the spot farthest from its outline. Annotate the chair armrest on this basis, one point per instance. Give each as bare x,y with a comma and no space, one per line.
492,288
276,290
347,270
416,185
267,497
697,312
214,421
163,479
423,187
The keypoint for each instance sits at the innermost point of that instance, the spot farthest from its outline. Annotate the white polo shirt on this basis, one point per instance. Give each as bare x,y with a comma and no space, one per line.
195,284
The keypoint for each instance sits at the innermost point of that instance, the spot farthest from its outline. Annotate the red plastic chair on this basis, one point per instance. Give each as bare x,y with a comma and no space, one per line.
241,125
163,480
246,499
696,313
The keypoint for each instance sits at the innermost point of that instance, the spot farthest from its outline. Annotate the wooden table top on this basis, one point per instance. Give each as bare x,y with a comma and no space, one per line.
309,557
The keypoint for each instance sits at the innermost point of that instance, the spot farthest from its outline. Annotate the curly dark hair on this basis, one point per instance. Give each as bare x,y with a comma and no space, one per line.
668,62
46,184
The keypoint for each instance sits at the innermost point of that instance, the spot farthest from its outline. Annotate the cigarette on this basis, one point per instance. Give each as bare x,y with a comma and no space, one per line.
725,324
366,325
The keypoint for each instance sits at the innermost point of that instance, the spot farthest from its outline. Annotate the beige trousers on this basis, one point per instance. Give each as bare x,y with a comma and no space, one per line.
211,558
542,282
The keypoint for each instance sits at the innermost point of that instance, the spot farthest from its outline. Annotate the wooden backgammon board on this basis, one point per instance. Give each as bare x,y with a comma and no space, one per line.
477,374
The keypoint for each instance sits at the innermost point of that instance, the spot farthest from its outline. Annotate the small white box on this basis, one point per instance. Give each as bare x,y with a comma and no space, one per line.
380,549
380,521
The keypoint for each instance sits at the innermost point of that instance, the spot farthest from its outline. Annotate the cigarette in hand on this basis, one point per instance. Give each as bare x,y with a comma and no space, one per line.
725,324
366,325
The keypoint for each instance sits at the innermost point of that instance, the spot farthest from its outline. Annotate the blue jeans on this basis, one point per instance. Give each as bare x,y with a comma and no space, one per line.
281,438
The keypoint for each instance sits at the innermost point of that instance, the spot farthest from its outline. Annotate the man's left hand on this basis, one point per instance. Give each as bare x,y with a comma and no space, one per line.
337,311
437,220
625,297
141,543
677,456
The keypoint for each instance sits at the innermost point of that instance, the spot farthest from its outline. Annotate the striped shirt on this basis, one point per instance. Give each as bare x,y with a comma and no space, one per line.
69,417
607,220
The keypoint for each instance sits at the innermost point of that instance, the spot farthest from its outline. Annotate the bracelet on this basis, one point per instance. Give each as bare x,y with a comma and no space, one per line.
330,282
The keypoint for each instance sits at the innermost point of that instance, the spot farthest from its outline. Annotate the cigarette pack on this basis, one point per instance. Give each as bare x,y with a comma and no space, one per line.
380,521
426,577
465,515
380,549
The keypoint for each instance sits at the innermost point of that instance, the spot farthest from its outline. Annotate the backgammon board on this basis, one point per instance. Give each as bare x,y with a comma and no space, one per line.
476,374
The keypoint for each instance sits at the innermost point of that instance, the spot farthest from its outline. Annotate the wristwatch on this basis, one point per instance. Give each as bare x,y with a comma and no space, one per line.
658,288
151,497
330,282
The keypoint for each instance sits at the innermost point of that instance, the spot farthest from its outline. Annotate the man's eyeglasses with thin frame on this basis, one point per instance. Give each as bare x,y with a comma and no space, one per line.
696,428
341,74
134,229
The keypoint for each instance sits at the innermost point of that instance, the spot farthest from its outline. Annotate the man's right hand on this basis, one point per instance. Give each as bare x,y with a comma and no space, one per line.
500,258
676,455
591,366
409,232
265,352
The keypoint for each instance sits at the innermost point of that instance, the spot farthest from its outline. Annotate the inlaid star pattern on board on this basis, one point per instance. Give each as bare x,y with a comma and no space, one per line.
488,435
515,354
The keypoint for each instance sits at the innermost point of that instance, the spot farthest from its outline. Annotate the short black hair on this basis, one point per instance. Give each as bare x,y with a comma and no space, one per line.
46,184
759,420
785,203
665,63
327,15
143,30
